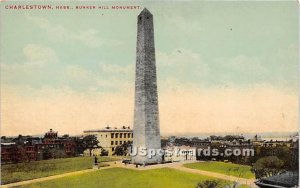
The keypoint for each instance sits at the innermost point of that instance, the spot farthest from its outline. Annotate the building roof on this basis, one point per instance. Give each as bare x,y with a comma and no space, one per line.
287,179
109,129
8,144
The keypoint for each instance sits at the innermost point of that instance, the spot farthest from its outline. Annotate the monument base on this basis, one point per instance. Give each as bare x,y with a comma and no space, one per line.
96,166
139,160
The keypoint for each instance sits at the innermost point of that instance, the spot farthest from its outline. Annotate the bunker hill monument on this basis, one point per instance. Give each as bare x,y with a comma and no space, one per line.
146,133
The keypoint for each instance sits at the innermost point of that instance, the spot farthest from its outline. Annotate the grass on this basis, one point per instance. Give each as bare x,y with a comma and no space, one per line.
121,177
36,169
231,169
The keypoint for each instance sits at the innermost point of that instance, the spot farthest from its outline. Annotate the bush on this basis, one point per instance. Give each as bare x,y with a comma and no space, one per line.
208,184
104,152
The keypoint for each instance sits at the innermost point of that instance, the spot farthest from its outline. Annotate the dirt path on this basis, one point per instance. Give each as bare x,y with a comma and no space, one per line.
114,164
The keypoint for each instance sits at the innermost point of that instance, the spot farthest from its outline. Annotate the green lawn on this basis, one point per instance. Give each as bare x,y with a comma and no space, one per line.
25,171
223,168
121,177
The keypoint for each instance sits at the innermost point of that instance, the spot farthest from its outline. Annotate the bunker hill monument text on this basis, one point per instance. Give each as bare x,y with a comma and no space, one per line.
146,133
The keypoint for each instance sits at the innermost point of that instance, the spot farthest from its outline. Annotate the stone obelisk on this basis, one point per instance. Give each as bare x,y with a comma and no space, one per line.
146,131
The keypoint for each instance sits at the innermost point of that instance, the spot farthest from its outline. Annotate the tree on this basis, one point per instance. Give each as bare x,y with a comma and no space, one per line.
90,142
65,136
284,153
78,145
208,184
19,140
122,149
104,152
267,166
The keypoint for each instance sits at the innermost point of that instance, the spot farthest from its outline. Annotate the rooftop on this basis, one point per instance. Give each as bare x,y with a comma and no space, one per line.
110,129
287,179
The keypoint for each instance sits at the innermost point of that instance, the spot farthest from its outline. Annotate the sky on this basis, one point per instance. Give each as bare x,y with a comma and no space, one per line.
221,67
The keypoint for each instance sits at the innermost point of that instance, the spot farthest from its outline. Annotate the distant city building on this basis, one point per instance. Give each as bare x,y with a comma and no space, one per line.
28,148
179,153
66,146
50,137
10,152
109,138
276,143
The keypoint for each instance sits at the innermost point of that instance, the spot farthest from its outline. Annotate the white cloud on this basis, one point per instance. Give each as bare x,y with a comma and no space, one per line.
240,70
77,72
108,76
39,55
116,76
117,69
182,63
182,23
243,64
88,37
36,56
182,57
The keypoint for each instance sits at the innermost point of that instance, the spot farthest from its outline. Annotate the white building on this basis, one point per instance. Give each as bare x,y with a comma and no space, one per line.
109,138
179,153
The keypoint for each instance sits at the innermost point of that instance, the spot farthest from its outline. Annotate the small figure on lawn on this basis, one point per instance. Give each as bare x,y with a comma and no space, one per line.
96,160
